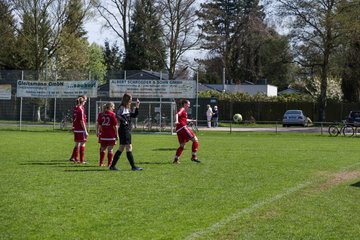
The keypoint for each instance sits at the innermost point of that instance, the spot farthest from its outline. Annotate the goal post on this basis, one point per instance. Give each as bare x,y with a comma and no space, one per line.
154,116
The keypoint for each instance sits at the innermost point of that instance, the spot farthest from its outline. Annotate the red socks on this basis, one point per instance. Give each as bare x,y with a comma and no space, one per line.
82,153
75,153
102,157
194,148
179,152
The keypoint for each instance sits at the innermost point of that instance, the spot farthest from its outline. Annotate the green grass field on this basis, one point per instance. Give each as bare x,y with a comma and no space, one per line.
249,186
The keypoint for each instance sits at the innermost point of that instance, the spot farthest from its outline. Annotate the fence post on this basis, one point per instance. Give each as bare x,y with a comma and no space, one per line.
54,113
321,128
276,129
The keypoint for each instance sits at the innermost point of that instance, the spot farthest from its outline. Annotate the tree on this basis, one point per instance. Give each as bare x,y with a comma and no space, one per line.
112,57
43,24
72,56
7,37
146,49
235,32
117,14
349,52
314,36
96,67
179,23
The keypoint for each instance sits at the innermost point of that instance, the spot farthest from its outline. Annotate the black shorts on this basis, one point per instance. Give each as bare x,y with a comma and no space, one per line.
125,137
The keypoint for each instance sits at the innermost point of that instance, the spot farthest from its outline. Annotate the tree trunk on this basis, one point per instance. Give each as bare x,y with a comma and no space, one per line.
38,115
323,86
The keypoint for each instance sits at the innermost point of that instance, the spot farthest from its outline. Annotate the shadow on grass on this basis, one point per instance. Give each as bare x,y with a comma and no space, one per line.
164,149
57,163
87,170
357,184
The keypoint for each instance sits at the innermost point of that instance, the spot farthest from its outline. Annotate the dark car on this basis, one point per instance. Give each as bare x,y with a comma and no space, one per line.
353,118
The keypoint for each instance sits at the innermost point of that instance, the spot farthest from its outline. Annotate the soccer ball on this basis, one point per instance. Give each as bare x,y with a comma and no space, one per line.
237,118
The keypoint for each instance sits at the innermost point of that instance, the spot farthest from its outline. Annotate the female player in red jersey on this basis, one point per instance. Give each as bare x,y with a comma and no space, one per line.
124,115
106,130
79,129
184,133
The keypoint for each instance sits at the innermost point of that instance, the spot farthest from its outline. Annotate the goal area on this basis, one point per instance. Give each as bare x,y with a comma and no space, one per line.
154,116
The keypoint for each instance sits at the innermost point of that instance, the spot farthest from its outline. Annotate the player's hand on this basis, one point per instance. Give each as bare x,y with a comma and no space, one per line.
87,134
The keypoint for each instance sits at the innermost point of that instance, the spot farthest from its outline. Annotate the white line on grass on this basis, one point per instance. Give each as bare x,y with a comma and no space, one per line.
252,208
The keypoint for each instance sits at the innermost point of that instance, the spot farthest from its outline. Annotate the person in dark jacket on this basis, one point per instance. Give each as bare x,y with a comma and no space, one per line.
124,115
215,116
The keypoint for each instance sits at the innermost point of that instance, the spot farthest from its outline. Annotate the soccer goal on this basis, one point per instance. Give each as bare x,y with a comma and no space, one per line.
154,116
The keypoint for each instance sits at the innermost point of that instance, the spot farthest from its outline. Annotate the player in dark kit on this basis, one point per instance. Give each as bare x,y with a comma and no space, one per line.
124,115
184,133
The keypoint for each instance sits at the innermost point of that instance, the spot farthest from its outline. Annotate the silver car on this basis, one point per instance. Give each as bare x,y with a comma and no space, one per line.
294,117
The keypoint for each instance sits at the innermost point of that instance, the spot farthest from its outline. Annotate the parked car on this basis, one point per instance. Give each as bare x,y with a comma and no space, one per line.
353,118
294,117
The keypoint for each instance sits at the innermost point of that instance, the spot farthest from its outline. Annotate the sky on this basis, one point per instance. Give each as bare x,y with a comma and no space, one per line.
97,34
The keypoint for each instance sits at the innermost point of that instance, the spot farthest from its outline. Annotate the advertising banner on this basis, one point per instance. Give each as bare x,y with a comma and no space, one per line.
5,91
57,89
153,88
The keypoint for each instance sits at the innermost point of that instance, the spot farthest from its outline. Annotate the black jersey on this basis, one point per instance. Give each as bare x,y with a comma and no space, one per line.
124,116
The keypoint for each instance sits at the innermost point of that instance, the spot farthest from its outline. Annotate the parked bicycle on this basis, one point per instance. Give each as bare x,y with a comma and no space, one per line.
66,119
343,128
154,123
193,126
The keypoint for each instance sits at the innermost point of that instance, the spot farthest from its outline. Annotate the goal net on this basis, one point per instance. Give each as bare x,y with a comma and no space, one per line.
154,116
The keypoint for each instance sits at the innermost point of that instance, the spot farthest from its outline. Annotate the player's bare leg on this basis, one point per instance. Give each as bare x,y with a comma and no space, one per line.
102,156
110,155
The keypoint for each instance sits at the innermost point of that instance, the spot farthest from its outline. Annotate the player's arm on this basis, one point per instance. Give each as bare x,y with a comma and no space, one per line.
115,125
136,112
83,124
98,128
176,118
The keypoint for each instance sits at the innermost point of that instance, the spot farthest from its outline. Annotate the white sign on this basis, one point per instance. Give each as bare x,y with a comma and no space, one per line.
58,89
5,91
153,88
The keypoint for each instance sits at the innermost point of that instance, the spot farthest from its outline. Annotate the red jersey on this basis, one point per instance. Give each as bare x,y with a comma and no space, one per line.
78,117
107,120
182,118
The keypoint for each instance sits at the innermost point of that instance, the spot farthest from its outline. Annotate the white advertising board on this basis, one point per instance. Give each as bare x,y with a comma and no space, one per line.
57,89
5,91
153,88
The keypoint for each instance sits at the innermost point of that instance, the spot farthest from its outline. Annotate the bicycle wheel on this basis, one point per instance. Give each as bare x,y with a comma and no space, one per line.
147,125
333,130
194,127
357,131
348,131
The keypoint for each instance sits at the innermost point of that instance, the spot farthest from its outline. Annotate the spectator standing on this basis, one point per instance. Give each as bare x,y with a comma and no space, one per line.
215,116
209,114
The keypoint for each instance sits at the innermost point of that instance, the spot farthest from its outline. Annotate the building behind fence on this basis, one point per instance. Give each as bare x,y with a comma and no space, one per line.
260,111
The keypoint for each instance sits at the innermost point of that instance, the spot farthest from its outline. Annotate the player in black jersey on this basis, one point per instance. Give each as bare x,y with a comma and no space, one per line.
124,115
